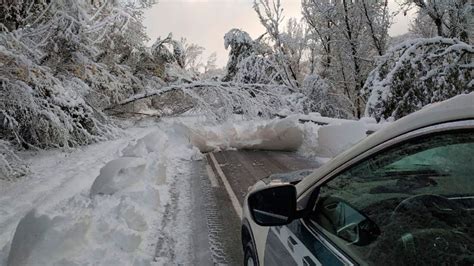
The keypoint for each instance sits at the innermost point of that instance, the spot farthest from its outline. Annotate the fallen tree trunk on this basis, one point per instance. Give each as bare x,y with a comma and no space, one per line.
252,88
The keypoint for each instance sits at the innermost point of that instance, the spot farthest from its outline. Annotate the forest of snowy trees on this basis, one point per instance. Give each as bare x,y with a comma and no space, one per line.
70,67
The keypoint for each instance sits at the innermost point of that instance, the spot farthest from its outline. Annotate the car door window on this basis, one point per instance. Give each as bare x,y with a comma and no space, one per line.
411,204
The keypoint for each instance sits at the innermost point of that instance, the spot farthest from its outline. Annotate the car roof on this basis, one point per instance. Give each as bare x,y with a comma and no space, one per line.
457,108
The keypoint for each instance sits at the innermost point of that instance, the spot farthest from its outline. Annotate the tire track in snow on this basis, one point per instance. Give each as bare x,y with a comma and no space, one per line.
213,221
173,244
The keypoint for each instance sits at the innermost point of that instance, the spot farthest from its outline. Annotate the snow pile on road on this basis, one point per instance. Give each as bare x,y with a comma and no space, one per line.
278,134
334,139
117,221
294,133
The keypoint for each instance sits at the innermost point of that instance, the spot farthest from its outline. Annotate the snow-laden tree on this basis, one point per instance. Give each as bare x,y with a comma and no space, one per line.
416,73
258,69
450,18
251,61
192,56
377,20
211,65
40,110
123,34
270,13
19,13
319,16
176,61
162,52
324,99
350,34
294,45
62,62
241,47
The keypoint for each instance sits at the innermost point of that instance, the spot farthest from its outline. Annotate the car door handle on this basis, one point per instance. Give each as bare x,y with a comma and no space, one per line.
291,243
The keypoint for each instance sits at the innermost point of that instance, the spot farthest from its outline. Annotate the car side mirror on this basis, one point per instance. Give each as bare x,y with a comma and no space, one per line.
272,206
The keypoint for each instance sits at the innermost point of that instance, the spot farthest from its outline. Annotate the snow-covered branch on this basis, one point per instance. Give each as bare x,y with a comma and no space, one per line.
222,99
418,72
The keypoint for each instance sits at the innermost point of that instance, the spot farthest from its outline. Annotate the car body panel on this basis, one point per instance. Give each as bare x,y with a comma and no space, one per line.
297,244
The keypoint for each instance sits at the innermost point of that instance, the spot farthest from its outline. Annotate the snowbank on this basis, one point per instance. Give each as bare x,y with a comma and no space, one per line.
117,221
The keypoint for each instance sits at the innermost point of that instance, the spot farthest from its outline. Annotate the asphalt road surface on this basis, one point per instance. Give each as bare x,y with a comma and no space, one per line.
218,193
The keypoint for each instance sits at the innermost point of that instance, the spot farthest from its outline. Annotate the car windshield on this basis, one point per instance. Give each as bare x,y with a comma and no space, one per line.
441,166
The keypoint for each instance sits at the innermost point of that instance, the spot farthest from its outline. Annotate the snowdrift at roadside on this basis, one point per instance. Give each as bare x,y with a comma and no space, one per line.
117,221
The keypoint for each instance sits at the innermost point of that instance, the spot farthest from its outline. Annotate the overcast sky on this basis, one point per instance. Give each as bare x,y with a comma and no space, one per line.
205,22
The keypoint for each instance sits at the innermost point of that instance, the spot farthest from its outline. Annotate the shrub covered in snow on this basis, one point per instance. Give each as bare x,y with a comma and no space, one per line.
257,69
10,165
40,110
416,73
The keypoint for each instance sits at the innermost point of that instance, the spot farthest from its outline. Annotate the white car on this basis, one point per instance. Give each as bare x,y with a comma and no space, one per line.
402,196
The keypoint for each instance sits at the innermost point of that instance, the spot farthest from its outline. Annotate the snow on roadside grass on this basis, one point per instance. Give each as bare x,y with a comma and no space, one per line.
113,222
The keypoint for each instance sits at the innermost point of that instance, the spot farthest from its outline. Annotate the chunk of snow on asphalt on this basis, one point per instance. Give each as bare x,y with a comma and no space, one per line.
334,139
278,134
311,138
